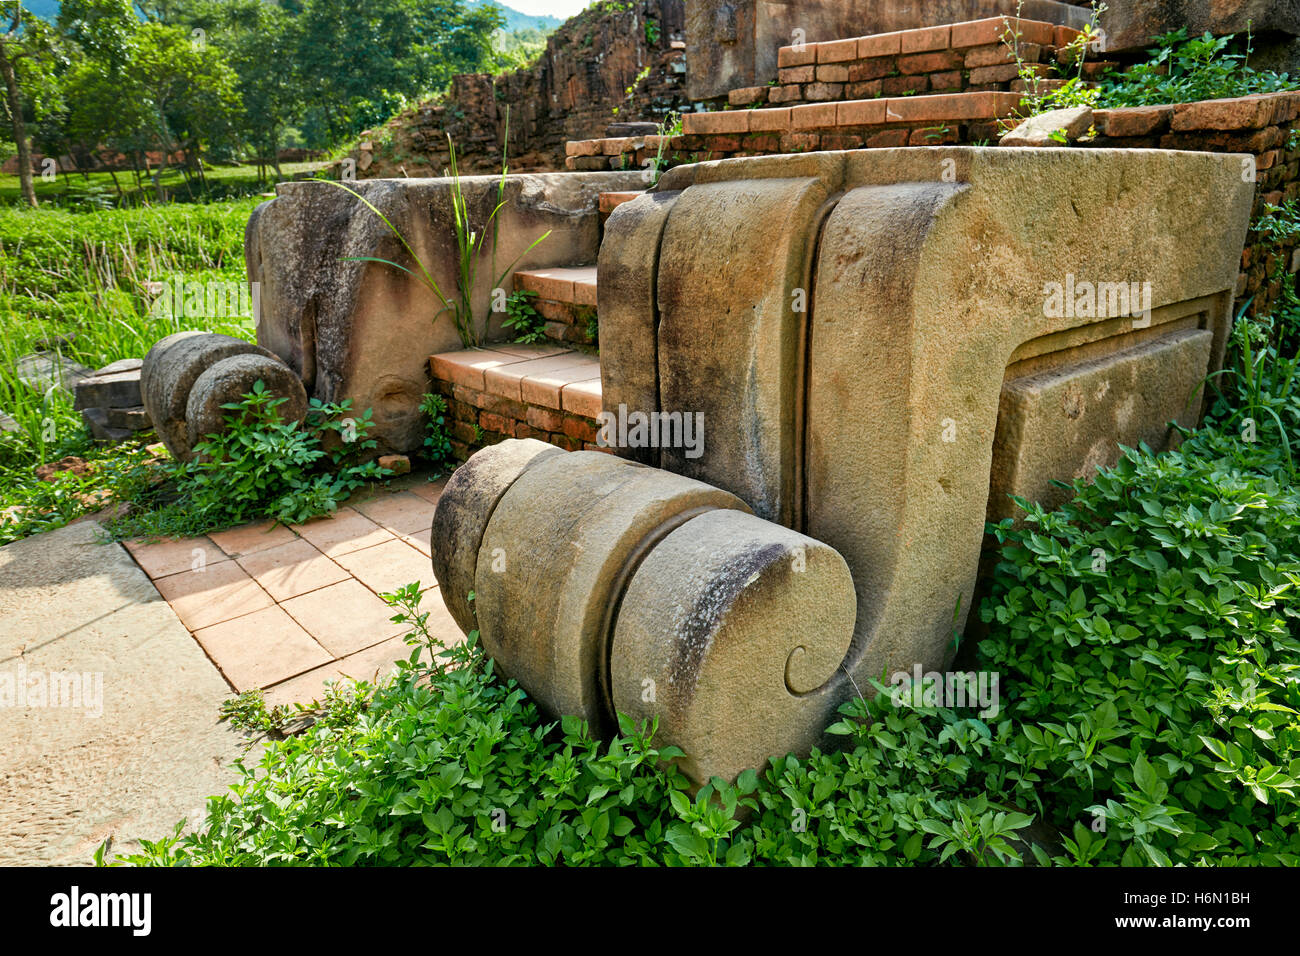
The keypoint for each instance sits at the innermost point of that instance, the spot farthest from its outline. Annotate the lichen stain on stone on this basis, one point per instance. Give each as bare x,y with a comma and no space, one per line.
694,635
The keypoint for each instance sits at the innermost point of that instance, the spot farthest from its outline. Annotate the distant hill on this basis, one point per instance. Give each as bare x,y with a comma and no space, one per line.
514,19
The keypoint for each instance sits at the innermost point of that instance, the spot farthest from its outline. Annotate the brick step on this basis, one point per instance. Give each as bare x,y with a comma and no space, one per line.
519,391
566,299
847,124
976,55
609,151
575,285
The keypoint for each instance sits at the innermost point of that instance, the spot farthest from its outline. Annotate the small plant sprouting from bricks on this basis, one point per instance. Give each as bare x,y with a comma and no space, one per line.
670,127
261,467
1278,225
437,442
592,330
1074,91
523,319
469,244
652,33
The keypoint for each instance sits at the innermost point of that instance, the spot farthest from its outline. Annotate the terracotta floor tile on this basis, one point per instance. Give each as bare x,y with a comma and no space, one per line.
402,513
292,569
430,491
251,538
161,558
344,617
387,567
261,648
420,542
346,530
218,593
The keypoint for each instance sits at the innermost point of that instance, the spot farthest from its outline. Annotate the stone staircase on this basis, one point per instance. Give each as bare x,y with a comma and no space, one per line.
566,298
550,392
957,83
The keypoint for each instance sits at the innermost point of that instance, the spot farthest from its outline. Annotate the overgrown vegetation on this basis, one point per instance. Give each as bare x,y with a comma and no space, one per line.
437,442
77,286
470,240
261,467
1185,69
139,88
1179,69
522,318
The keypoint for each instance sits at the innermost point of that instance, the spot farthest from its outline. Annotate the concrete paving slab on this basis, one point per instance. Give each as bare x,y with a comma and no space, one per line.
108,707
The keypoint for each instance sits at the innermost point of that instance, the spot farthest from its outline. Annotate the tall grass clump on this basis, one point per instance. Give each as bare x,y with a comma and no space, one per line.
458,302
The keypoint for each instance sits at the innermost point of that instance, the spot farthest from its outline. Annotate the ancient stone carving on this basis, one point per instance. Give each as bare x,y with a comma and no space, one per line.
181,411
885,344
607,587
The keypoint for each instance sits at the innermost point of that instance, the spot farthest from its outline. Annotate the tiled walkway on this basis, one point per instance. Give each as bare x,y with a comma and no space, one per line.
288,608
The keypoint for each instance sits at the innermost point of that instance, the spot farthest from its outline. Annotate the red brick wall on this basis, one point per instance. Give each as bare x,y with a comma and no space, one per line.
498,418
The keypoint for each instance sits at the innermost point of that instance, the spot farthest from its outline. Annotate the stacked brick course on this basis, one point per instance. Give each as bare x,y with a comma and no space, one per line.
527,392
953,58
1263,126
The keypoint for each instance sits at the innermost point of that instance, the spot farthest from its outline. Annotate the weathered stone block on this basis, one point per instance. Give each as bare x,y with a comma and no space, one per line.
896,476
1046,128
363,330
96,420
105,389
1067,422
169,372
136,419
45,370
227,381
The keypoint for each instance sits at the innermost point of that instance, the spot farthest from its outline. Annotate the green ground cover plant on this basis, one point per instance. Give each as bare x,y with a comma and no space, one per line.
470,241
522,317
86,192
1179,69
1184,69
261,467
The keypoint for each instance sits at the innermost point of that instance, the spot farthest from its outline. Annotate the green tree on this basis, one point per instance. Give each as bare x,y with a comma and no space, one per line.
28,51
270,90
190,91
368,56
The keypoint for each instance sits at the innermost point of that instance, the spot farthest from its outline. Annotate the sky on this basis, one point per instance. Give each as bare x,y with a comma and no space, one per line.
548,8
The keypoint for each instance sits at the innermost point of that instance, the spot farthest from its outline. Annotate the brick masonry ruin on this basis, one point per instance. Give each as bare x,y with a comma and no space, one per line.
599,68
